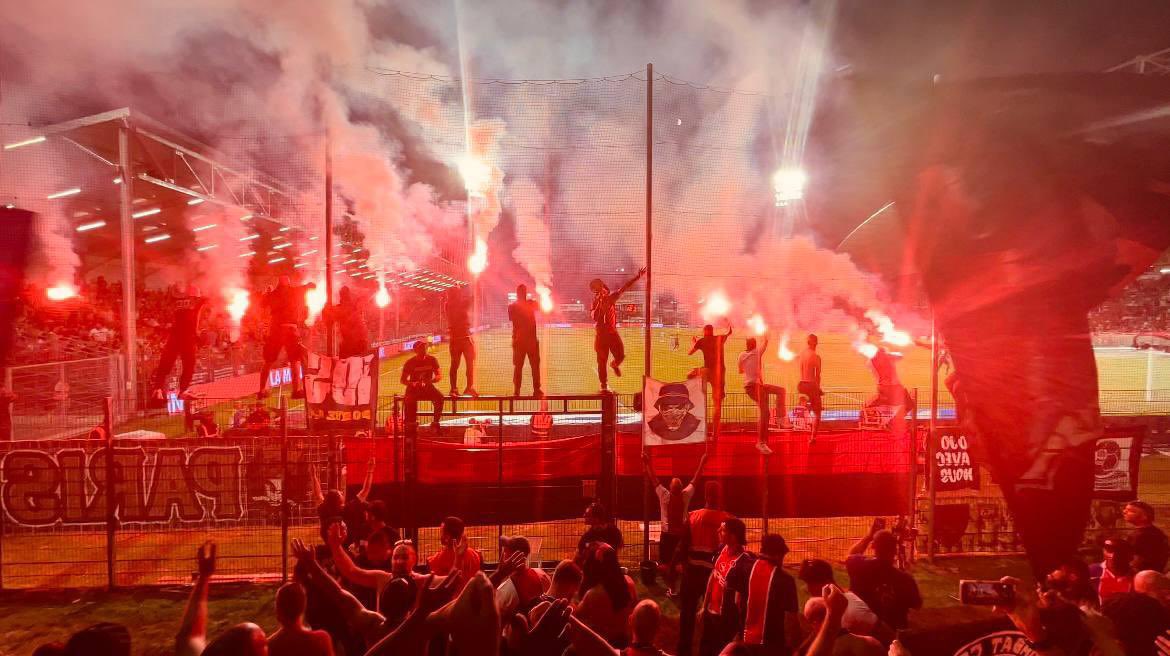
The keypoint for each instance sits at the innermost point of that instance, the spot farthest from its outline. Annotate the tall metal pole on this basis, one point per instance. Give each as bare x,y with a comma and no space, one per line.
129,282
649,272
328,239
930,440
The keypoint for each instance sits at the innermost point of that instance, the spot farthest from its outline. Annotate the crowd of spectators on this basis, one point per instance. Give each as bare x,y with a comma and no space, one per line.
1144,306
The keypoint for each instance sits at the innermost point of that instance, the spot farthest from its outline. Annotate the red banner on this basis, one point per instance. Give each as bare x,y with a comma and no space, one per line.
446,463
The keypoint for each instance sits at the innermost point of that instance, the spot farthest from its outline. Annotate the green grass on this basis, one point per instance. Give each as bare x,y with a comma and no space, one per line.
28,619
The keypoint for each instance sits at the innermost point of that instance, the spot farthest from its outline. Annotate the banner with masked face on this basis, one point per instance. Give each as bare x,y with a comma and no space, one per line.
673,413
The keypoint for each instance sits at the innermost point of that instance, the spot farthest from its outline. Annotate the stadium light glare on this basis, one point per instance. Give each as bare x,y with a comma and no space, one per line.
248,254
207,247
195,201
246,217
61,292
93,225
284,229
276,259
280,246
201,228
118,180
300,264
149,212
27,142
250,237
789,185
63,194
308,252
157,238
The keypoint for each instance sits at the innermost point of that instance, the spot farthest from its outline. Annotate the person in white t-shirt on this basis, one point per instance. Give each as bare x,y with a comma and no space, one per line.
474,433
859,618
672,503
751,365
810,383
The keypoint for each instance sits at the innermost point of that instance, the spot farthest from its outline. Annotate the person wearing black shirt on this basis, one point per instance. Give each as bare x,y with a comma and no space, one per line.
419,374
522,314
889,592
601,529
767,599
347,315
1150,547
461,345
286,312
182,342
715,365
607,341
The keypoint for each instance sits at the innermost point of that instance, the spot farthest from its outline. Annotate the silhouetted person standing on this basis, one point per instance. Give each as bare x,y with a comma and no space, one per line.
522,313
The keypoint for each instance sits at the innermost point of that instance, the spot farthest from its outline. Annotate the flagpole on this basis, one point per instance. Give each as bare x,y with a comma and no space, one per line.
647,298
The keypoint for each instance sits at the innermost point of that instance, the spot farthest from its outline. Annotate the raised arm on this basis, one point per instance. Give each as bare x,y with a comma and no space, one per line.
861,545
318,495
648,470
402,378
835,603
629,283
367,484
192,635
729,329
698,470
410,637
347,605
345,565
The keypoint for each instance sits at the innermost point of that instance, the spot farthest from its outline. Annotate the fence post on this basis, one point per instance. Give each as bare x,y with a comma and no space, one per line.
500,466
111,519
606,491
912,514
410,466
283,490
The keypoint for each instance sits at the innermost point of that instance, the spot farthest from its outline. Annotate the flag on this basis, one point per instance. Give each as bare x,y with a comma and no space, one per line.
1115,465
673,413
339,391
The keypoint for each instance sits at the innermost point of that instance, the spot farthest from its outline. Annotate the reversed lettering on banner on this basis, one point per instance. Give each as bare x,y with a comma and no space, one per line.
43,488
953,465
340,390
1000,643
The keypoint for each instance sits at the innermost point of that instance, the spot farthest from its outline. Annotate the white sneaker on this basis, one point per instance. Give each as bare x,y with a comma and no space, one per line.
763,448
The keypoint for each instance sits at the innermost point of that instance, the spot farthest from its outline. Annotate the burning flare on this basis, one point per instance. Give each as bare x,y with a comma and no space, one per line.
237,304
716,305
885,327
315,298
382,297
783,352
61,292
545,296
478,260
477,175
757,324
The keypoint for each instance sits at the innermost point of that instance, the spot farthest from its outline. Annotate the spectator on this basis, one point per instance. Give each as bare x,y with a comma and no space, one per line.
644,622
293,638
890,592
858,618
393,602
566,581
701,542
376,516
608,596
601,529
1150,547
375,556
1138,621
519,587
244,639
192,636
332,507
455,554
1113,576
102,639
1153,584
474,434
766,597
672,506
50,649
847,643
720,614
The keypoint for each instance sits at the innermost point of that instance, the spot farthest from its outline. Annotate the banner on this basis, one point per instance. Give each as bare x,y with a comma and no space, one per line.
673,413
1000,643
340,391
1115,464
953,467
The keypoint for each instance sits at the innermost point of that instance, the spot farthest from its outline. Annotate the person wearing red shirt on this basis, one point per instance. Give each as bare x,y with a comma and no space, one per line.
519,587
603,311
455,554
1115,573
700,543
720,610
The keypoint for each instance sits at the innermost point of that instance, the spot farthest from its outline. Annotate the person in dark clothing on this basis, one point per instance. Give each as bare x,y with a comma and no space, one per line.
182,342
714,365
286,312
1151,549
889,592
522,314
419,374
607,341
601,529
767,599
461,345
350,321
7,399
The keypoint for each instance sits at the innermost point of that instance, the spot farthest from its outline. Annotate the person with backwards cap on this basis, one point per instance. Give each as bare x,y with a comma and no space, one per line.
674,420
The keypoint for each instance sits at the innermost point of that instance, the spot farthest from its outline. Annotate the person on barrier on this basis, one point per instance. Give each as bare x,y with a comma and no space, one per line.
293,638
608,596
720,614
766,597
419,375
700,545
525,345
350,321
606,340
673,504
751,365
182,343
810,383
890,391
601,529
889,591
286,312
713,347
460,345
455,556
518,586
1151,549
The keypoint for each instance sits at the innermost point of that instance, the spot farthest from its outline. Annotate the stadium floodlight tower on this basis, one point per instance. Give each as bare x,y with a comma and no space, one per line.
1154,63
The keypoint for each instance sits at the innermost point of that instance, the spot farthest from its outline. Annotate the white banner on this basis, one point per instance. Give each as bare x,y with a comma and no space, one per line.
346,381
673,413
